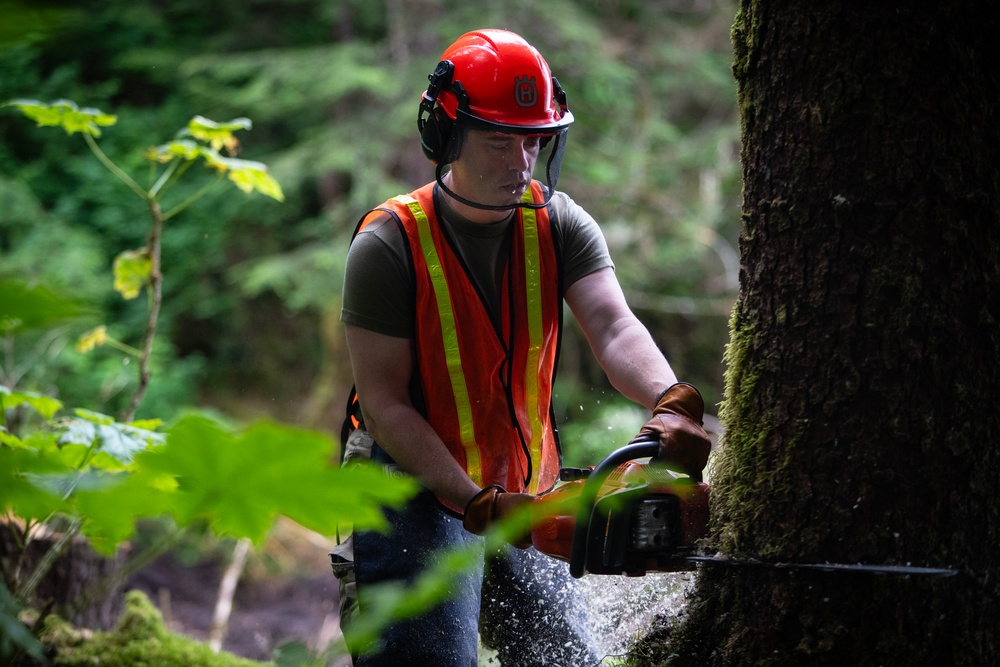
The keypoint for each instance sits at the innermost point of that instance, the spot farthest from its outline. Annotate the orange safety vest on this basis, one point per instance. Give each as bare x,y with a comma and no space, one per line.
487,394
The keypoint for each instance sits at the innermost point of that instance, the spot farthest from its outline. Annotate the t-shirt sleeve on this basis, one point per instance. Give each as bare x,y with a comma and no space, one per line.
584,249
378,285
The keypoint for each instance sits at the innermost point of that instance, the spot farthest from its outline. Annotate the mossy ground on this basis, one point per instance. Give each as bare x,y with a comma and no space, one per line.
140,639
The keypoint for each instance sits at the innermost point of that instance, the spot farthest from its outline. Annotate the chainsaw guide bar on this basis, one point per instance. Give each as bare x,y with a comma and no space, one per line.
862,568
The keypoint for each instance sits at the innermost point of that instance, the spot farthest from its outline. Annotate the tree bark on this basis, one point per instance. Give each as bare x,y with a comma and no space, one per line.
865,347
81,586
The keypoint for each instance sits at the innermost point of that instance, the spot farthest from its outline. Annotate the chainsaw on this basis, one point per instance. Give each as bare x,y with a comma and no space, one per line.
622,516
628,518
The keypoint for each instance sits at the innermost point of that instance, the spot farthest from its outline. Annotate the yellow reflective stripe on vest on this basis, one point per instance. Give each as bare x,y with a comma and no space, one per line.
449,332
533,289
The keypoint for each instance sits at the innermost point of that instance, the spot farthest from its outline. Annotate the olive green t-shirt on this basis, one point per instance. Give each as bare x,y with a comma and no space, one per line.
378,282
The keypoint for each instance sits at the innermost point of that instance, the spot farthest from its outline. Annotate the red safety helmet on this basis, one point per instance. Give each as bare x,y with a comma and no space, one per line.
494,80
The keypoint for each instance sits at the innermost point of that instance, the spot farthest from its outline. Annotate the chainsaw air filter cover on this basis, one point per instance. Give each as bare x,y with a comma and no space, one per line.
640,518
645,519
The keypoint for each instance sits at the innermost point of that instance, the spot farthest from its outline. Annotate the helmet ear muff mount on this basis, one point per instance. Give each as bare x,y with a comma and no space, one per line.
438,138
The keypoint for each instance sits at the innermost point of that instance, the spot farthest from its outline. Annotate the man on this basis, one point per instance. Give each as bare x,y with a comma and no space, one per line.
452,305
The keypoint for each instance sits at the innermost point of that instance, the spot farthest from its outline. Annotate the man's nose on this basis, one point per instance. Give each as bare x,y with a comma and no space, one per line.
521,156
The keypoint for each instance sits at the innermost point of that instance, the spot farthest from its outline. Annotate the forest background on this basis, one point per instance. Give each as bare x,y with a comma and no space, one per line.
251,293
252,286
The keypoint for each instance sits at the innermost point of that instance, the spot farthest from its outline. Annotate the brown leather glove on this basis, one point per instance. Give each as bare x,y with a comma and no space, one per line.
677,424
494,504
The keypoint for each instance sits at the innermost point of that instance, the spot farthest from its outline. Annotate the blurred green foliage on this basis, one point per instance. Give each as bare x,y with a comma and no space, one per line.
251,294
87,473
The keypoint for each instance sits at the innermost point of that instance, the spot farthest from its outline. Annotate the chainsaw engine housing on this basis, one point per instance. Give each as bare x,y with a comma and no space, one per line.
642,518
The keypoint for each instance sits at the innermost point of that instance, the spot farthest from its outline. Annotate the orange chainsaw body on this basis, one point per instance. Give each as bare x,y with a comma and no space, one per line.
642,518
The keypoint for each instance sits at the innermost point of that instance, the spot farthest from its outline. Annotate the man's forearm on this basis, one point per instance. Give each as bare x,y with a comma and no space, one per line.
382,368
627,353
634,364
411,442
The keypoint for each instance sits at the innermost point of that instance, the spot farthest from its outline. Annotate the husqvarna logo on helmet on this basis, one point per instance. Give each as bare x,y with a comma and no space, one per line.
525,91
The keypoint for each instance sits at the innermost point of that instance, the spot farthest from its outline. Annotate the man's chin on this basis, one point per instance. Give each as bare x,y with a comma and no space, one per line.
504,201
496,199
512,197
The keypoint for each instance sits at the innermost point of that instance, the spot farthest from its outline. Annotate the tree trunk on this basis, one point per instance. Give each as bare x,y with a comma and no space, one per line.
82,586
864,357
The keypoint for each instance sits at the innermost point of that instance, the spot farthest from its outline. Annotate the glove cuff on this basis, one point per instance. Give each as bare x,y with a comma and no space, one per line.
481,510
682,398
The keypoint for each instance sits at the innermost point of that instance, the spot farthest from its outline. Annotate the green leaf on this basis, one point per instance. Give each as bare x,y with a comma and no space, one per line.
32,307
18,494
122,442
44,405
43,442
13,630
94,338
179,148
248,175
102,433
112,510
217,135
240,482
65,114
65,484
132,271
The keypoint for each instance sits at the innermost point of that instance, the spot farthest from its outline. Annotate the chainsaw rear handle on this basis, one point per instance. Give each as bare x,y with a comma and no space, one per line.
643,446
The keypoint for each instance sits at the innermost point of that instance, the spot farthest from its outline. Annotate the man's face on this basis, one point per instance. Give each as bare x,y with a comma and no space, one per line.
494,168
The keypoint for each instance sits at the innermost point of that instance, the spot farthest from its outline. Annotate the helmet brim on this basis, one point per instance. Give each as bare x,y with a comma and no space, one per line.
471,121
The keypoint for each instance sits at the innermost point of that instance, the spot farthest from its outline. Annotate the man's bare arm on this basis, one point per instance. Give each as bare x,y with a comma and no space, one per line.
382,368
623,346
